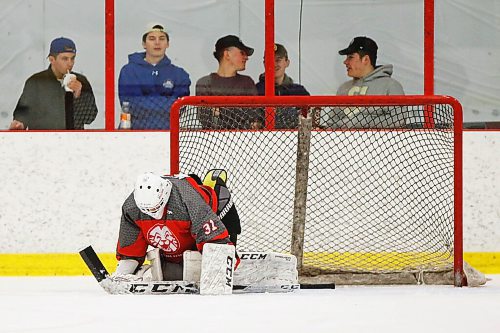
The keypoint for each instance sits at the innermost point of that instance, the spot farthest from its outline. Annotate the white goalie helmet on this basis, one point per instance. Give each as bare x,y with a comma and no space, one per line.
151,194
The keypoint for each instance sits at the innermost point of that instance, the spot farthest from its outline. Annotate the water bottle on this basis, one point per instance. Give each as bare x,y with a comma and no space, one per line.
125,117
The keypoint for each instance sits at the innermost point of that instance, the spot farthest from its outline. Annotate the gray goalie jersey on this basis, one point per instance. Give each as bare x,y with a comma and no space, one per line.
189,221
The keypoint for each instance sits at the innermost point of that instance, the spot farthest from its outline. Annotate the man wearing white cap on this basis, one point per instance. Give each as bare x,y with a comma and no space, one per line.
150,83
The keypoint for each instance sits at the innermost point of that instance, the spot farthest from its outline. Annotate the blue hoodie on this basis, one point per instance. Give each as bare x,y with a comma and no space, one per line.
151,90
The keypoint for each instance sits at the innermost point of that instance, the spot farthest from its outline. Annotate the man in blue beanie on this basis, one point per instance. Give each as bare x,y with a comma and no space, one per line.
56,98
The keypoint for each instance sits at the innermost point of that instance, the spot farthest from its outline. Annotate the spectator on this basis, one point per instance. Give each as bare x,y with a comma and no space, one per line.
150,83
367,79
56,98
232,56
283,86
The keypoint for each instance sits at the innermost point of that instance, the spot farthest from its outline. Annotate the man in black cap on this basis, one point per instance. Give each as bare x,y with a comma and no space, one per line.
232,56
367,79
56,98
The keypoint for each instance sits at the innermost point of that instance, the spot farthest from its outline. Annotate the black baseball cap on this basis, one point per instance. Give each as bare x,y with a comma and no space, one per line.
231,40
361,43
280,51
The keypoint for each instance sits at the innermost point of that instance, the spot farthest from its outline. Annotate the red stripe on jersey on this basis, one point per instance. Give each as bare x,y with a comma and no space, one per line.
207,193
214,201
220,236
136,250
196,186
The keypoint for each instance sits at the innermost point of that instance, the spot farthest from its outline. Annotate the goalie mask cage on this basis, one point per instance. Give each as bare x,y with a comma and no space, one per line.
361,199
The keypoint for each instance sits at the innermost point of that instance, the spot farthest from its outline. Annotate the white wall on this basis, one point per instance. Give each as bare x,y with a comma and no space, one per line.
62,191
467,45
481,177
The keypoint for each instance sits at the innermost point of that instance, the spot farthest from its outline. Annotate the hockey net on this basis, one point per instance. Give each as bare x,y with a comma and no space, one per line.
363,190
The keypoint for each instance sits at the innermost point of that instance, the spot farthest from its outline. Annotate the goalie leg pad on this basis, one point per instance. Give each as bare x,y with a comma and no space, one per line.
162,270
266,269
217,267
192,266
156,268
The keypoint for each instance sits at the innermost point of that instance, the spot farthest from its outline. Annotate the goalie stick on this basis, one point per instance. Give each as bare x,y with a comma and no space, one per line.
283,288
133,287
100,273
149,287
94,263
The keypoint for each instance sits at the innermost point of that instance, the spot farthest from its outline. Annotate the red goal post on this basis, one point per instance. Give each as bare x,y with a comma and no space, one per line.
373,200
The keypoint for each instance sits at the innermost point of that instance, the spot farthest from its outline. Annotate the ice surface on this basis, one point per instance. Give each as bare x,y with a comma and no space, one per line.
78,304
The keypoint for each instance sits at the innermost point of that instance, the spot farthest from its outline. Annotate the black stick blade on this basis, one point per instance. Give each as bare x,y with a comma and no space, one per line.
94,263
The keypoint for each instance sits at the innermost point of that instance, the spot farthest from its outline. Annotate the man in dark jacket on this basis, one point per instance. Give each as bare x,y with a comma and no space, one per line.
56,98
284,86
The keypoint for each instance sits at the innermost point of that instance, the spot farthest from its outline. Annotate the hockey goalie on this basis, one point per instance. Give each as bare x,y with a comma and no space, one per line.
190,228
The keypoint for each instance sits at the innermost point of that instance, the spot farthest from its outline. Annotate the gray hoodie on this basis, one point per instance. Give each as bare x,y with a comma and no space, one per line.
378,82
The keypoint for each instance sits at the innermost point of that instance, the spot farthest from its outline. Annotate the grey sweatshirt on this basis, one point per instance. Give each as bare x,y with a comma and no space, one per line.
378,82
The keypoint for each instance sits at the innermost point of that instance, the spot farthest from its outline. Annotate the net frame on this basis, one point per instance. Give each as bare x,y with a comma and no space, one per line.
305,102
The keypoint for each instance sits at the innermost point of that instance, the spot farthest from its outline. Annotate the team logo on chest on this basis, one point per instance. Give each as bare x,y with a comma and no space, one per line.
160,236
168,84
